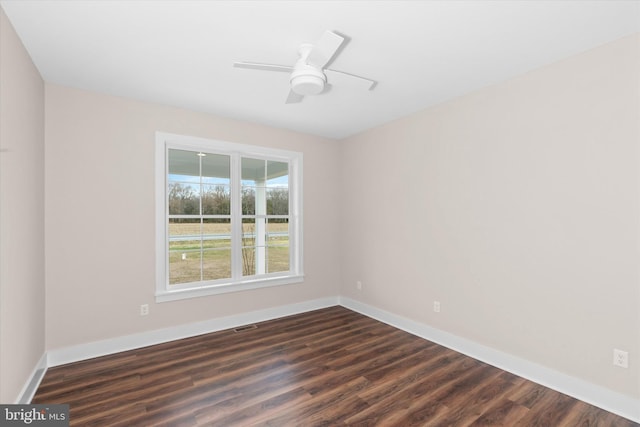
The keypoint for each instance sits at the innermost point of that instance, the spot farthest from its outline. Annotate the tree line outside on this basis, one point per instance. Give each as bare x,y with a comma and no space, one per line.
184,199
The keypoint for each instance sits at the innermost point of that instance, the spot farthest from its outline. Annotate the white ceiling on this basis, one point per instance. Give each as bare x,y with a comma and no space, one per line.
421,53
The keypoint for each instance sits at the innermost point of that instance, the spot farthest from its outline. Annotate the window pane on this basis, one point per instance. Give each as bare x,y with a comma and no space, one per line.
183,198
216,264
184,163
248,261
184,250
248,200
215,169
248,232
277,188
181,229
278,258
216,190
184,183
277,245
278,231
277,201
253,171
216,233
248,247
184,264
277,173
216,199
184,261
216,244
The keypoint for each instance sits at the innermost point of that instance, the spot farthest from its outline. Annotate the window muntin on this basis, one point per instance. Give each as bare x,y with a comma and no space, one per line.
231,214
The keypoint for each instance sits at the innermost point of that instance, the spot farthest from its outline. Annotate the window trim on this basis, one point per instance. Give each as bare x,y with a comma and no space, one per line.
235,150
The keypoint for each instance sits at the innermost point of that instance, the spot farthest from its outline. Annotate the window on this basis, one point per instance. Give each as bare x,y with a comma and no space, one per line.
228,217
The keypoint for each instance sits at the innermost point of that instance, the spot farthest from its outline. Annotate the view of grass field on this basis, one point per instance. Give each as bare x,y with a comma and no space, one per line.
187,256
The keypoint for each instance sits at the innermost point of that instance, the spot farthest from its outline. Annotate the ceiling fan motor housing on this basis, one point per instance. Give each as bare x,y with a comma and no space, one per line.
307,80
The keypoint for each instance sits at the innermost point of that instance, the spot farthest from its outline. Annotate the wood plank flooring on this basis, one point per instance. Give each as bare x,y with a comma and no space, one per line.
328,367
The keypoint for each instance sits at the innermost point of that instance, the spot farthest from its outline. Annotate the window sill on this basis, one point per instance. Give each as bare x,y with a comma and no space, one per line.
165,296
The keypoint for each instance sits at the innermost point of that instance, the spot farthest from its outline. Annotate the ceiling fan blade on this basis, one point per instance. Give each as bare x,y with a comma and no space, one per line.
334,75
265,67
294,98
325,49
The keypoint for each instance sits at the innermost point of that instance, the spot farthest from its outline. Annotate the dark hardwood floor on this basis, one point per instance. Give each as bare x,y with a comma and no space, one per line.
328,367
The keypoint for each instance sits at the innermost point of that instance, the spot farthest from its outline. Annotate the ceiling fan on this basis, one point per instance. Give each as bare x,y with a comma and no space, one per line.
308,75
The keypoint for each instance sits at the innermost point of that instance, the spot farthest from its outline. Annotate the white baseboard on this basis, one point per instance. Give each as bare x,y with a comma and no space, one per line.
129,342
30,387
611,401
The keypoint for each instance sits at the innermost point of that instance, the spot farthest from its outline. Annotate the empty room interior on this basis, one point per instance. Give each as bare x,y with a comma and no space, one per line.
321,212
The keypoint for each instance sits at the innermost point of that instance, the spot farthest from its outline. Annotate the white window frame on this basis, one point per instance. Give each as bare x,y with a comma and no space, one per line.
166,292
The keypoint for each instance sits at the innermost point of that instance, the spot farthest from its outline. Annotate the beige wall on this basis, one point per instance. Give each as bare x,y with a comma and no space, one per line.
516,207
100,216
22,290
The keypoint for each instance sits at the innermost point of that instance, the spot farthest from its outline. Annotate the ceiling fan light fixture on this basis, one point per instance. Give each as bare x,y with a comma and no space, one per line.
307,85
306,80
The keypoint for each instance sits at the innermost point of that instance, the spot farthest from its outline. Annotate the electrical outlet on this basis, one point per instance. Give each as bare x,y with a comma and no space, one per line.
436,306
359,285
620,358
144,309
